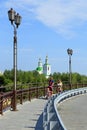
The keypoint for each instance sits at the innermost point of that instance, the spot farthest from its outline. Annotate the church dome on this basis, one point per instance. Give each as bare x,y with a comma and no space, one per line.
39,68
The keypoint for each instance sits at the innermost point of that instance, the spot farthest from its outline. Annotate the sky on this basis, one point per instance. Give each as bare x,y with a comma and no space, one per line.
48,28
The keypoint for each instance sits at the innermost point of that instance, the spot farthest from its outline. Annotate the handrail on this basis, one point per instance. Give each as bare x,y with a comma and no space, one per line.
6,98
38,90
51,107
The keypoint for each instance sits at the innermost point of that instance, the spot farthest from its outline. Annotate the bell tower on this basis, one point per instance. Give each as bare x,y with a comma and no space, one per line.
47,68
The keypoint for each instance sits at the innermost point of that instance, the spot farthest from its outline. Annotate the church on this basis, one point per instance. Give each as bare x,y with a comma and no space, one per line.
44,68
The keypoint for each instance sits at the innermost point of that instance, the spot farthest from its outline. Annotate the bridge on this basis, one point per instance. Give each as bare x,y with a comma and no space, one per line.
60,117
73,113
29,116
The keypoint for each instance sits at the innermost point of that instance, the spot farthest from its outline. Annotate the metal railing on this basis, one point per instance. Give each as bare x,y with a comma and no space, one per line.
24,94
51,117
6,98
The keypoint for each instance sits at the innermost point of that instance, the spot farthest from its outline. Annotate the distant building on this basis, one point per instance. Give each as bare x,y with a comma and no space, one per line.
40,67
44,69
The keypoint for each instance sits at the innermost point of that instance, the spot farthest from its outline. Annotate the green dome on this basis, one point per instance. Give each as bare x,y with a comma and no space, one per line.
39,68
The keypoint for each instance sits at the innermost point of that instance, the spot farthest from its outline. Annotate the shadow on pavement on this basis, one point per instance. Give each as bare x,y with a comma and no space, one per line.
39,125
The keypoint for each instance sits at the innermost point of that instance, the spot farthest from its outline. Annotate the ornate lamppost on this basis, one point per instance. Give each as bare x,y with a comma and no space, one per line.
70,52
15,20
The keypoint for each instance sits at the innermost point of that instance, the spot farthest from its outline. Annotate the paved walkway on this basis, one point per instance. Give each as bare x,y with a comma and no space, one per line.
28,116
73,112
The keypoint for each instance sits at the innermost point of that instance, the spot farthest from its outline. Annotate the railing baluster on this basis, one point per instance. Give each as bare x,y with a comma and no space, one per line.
1,103
21,97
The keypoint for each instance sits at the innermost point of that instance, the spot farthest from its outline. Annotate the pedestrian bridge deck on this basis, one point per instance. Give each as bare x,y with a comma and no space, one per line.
28,116
73,112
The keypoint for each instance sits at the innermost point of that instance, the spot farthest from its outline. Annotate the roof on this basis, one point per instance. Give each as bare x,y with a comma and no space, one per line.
39,68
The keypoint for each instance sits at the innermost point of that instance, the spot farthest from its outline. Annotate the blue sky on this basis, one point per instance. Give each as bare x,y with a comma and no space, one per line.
48,27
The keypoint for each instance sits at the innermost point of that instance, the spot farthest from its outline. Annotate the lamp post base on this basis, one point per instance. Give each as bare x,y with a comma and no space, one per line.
14,103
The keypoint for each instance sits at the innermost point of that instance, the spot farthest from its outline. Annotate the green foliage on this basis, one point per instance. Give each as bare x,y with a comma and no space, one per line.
2,80
9,74
76,77
23,77
27,77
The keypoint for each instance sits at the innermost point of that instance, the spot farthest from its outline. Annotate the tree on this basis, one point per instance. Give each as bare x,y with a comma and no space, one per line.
2,80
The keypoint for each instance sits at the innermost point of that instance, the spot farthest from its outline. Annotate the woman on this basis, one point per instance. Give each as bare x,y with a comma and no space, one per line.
50,87
59,86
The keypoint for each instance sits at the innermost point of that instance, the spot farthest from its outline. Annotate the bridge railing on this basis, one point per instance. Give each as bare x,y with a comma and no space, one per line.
23,94
51,117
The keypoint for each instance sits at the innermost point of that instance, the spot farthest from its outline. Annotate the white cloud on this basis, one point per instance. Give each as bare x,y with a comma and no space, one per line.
62,16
